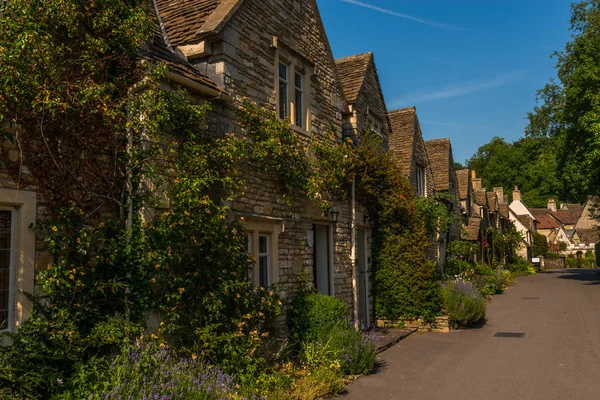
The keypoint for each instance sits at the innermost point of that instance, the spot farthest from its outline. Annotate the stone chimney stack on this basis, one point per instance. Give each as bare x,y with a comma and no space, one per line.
516,194
477,183
552,205
499,192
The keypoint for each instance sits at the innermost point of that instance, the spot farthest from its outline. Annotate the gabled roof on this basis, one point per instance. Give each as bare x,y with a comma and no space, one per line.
462,176
544,218
503,209
352,71
526,220
481,197
439,152
187,21
404,128
568,217
470,231
588,236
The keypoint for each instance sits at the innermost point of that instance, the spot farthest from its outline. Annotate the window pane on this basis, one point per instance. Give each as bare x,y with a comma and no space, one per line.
283,72
263,245
283,100
299,110
298,81
263,277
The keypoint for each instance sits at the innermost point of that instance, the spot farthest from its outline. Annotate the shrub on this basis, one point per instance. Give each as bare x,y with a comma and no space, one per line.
540,245
151,371
313,315
463,303
456,266
355,349
462,249
521,267
319,383
553,256
487,284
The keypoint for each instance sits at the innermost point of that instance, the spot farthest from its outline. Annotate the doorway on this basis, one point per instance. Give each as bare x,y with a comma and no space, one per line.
322,260
362,266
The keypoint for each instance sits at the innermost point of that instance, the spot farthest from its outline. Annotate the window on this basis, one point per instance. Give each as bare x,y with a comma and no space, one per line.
420,180
17,257
299,99
283,91
7,228
263,261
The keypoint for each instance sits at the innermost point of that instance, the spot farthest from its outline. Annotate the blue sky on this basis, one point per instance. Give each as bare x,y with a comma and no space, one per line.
471,67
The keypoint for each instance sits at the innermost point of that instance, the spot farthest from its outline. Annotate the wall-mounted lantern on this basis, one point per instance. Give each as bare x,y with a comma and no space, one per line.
333,212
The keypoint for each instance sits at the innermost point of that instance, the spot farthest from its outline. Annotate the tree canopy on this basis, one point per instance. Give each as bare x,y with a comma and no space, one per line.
568,109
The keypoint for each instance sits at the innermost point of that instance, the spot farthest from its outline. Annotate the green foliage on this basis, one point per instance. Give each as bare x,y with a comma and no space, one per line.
529,163
435,214
553,256
463,303
71,111
456,266
540,245
405,285
312,316
150,371
504,245
355,349
569,109
316,169
521,267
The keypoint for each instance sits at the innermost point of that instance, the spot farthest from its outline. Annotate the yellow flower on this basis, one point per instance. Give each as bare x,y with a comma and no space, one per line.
181,290
194,356
54,229
153,336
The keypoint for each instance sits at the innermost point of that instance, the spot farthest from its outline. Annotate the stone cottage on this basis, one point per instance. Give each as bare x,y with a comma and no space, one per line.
276,54
408,148
439,152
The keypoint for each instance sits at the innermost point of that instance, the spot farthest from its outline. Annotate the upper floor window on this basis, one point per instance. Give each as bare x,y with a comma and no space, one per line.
299,99
283,91
264,262
292,93
420,180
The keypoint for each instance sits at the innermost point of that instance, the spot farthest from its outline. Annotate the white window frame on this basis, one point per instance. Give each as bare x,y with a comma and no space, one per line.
256,227
11,269
24,204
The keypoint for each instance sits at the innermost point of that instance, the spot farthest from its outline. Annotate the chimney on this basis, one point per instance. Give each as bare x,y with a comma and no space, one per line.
499,192
473,174
552,205
477,183
516,194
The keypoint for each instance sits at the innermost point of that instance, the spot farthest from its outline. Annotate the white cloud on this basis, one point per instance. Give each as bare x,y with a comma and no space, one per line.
460,89
405,16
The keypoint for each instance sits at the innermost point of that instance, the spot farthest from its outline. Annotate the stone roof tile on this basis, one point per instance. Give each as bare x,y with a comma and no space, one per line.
439,152
352,71
462,176
470,231
404,124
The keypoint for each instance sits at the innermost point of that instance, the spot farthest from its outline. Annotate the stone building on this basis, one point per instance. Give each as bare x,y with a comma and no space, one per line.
366,105
408,148
439,152
276,54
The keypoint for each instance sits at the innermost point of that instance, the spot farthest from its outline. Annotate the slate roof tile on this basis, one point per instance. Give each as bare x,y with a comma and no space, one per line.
470,231
462,176
588,236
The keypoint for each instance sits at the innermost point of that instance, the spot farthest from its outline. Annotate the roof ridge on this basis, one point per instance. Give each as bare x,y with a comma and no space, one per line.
346,58
404,109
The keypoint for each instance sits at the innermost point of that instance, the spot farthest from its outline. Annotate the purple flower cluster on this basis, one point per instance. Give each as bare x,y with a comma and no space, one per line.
159,374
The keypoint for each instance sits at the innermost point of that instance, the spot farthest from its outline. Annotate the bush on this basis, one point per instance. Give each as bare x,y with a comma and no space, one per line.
321,382
463,303
553,256
521,267
151,371
313,315
540,245
355,349
456,266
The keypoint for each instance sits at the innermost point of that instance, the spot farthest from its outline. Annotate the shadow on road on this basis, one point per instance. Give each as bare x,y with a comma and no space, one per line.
589,276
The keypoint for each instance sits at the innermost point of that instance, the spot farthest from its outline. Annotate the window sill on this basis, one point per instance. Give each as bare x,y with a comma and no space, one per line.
301,131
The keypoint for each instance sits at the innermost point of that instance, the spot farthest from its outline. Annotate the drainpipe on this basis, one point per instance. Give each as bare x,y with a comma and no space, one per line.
353,254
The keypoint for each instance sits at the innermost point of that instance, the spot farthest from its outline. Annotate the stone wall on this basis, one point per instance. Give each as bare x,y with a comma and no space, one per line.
441,324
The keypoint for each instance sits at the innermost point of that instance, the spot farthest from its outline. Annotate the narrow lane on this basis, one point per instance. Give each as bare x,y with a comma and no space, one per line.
558,358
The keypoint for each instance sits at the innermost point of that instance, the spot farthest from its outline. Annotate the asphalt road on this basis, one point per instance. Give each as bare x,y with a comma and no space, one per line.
558,358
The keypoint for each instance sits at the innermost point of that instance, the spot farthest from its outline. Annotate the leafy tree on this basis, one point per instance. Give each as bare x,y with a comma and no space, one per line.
568,109
540,245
